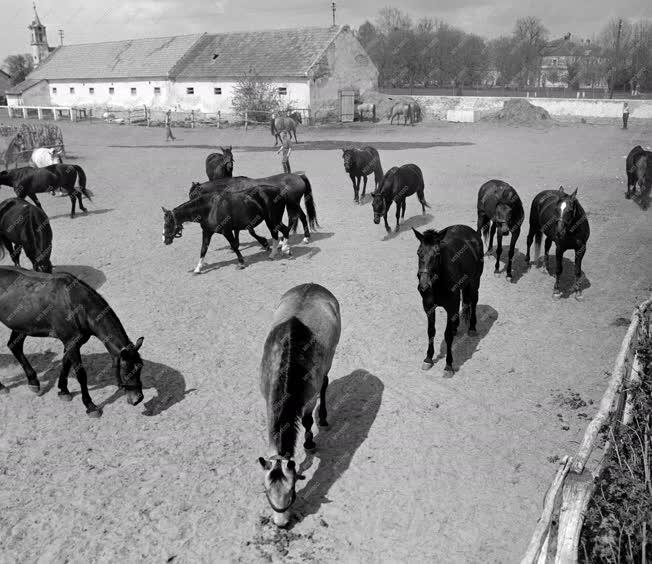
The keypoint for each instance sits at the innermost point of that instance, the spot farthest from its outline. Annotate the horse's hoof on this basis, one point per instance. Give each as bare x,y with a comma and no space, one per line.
36,388
427,365
94,412
509,276
472,333
241,266
65,396
4,390
448,370
323,423
628,196
579,296
196,271
556,295
497,273
305,240
309,447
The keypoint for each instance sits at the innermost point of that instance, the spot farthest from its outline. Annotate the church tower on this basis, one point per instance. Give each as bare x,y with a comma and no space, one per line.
40,47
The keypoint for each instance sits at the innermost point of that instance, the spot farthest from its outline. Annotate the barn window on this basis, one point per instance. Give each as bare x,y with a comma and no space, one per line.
72,90
111,90
157,90
190,90
217,91
133,91
282,90
91,90
54,90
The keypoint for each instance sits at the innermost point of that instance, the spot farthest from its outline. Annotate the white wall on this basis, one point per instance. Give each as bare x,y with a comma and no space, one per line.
122,98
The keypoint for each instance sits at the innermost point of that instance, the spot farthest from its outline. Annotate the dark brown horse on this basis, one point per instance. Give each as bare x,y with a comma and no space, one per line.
24,226
561,218
397,184
283,123
450,264
34,304
297,358
360,163
638,168
28,181
500,206
291,188
220,165
229,213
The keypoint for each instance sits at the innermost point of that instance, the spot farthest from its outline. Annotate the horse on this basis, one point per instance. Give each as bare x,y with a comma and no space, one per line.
500,206
638,168
43,156
397,184
360,163
450,262
401,109
220,165
24,226
296,116
63,306
228,213
415,110
297,358
562,219
291,188
283,123
28,181
366,107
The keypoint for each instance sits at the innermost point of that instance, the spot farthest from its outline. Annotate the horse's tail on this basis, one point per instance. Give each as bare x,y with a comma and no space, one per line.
485,233
309,200
81,178
378,170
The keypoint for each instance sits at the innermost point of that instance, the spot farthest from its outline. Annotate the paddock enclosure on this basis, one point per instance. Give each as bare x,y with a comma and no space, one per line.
414,466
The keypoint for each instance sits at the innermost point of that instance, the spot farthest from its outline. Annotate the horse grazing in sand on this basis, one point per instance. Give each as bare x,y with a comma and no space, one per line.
25,226
297,358
403,109
220,165
366,107
229,213
500,206
360,163
562,219
283,123
638,168
63,306
450,263
397,184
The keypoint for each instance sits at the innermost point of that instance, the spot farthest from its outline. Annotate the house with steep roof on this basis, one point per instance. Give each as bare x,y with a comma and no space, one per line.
566,63
35,91
200,72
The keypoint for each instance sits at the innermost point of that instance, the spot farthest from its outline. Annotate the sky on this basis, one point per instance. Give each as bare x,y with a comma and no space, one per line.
86,21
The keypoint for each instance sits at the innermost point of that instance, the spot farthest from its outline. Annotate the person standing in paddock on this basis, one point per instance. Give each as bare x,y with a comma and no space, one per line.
168,128
285,151
625,114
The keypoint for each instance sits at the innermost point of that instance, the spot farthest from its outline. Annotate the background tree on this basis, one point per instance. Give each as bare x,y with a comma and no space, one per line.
503,57
530,37
257,96
18,67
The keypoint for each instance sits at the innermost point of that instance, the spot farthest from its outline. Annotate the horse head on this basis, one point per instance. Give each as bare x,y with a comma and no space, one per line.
171,229
349,158
131,381
429,253
565,212
280,486
503,217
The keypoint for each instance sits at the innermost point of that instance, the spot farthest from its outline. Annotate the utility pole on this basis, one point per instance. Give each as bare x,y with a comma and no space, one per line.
61,37
333,8
616,66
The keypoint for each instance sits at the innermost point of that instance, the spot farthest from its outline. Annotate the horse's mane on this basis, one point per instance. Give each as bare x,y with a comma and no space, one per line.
432,237
287,388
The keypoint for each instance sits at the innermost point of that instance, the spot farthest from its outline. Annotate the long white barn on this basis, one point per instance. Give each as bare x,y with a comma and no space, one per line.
306,65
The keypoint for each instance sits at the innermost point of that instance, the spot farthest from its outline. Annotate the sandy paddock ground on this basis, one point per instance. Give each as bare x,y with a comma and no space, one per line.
414,467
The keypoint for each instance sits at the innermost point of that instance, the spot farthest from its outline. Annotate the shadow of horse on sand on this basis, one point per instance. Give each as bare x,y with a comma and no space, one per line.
169,383
353,402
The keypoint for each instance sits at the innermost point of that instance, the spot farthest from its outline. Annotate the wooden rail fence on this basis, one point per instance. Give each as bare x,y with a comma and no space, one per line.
557,533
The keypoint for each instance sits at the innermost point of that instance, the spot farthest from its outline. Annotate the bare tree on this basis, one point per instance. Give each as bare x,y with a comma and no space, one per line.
530,36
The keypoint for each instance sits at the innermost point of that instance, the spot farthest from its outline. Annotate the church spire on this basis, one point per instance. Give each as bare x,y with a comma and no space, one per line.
37,21
39,43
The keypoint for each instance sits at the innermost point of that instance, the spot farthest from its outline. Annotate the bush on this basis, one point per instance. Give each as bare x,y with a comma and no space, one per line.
257,96
618,523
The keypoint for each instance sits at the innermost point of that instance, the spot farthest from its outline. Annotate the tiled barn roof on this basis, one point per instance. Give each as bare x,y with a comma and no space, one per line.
22,86
137,58
281,52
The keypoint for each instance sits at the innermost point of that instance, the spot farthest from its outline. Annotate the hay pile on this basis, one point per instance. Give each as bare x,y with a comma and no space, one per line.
519,111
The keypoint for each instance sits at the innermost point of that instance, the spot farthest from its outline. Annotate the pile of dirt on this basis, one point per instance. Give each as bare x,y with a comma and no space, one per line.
519,111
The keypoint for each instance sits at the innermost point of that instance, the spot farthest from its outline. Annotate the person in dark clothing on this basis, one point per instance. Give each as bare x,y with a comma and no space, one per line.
168,128
285,151
625,114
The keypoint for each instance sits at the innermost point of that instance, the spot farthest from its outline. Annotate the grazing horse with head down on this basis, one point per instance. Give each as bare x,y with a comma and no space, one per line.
562,219
220,165
639,170
500,206
283,123
297,358
450,264
397,184
63,306
25,226
360,163
401,109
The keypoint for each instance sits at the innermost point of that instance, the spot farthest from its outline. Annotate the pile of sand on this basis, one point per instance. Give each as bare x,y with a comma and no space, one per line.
519,111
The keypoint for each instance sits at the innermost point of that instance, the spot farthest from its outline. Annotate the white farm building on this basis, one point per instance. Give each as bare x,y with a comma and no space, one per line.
199,72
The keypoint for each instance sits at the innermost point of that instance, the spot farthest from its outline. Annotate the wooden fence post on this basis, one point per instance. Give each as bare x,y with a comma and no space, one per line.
146,115
10,112
219,119
24,112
